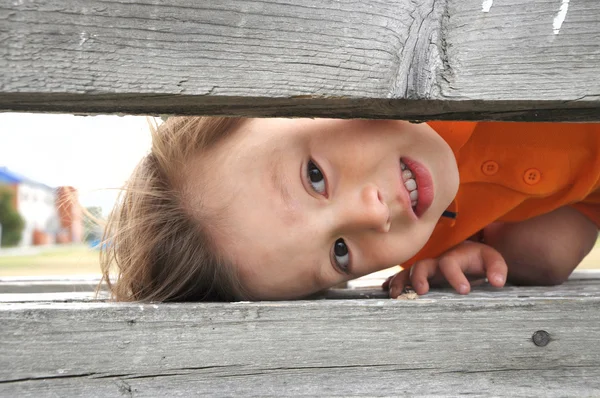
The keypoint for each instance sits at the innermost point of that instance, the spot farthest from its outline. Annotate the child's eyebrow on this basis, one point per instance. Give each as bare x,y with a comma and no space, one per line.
279,181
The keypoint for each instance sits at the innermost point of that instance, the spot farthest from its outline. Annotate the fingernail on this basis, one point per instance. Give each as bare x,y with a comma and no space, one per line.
463,289
393,292
498,279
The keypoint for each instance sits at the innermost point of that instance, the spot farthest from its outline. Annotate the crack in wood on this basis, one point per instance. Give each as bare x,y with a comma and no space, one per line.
49,377
155,376
447,72
122,377
209,367
416,67
111,376
547,368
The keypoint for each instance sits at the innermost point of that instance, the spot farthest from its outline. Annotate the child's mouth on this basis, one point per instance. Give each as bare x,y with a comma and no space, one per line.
410,183
419,184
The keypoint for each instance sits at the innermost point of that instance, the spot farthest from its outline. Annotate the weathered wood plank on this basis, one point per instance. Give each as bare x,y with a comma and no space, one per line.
48,284
587,286
439,344
378,59
13,288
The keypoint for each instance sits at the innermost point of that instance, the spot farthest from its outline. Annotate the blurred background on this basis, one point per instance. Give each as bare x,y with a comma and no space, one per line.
54,166
55,172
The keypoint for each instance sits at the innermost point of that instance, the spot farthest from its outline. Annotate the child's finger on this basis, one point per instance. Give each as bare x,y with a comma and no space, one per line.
421,272
397,283
386,285
452,270
495,265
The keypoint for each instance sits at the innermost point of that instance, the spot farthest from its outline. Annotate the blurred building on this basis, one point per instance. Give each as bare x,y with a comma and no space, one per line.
50,215
70,214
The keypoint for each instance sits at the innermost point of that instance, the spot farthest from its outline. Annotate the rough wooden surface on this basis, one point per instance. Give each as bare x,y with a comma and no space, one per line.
431,59
439,344
48,284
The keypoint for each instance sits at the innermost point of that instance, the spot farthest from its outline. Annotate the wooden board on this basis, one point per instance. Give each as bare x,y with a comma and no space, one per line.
431,59
439,344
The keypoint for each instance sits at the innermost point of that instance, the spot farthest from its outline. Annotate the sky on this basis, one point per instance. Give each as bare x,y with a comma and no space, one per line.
94,154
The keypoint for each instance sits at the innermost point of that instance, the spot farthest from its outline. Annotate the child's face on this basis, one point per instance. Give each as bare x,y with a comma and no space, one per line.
310,203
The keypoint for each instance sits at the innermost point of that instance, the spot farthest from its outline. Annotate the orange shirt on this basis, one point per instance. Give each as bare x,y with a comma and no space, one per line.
510,172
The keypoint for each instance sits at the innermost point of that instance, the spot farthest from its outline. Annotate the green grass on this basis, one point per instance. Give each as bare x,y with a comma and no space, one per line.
66,260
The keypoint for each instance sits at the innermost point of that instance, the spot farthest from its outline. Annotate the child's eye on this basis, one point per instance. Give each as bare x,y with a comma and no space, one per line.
315,178
341,255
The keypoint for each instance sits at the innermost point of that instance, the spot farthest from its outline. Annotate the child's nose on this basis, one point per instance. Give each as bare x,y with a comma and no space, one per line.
368,210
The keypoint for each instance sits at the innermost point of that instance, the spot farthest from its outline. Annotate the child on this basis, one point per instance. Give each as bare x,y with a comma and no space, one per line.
230,209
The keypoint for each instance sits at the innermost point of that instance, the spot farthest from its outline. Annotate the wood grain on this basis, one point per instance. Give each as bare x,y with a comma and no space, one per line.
439,344
444,59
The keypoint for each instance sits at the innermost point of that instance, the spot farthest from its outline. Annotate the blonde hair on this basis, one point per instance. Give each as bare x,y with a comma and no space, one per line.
162,249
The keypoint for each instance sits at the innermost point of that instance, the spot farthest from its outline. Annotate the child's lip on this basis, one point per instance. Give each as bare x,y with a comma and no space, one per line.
424,186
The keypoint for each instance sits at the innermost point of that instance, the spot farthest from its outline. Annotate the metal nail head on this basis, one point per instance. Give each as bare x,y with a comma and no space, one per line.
541,338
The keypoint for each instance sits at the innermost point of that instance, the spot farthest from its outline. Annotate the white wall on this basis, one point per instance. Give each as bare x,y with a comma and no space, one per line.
36,204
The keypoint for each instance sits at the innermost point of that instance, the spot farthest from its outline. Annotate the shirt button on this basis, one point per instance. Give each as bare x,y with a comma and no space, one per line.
489,168
532,176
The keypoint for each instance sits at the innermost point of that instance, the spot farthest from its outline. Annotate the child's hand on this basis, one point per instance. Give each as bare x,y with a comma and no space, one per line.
475,260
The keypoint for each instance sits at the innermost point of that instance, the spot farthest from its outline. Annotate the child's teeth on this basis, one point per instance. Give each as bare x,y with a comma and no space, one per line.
414,195
410,185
